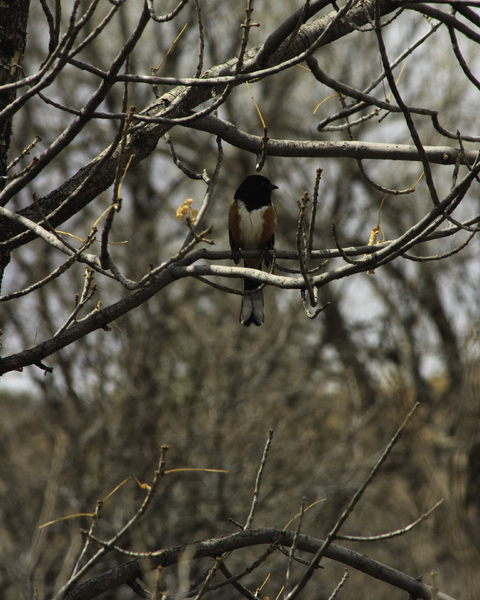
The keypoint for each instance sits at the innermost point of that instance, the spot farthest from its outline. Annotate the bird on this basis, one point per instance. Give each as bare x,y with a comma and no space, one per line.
252,223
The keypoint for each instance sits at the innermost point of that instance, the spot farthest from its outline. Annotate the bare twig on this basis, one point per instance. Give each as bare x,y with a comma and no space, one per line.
311,227
50,237
305,249
308,312
89,289
342,252
25,152
437,257
98,29
293,548
391,534
461,61
369,100
201,37
88,540
349,125
247,25
211,574
302,246
207,199
245,270
258,481
53,24
263,157
238,586
50,227
53,275
341,583
154,273
381,188
178,163
116,203
167,17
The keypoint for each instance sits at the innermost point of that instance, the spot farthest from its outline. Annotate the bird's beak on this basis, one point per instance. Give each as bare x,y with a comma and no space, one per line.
273,187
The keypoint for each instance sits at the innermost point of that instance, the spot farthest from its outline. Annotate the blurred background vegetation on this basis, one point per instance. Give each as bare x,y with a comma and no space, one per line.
180,370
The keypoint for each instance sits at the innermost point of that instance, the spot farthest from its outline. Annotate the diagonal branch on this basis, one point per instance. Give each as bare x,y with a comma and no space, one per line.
322,551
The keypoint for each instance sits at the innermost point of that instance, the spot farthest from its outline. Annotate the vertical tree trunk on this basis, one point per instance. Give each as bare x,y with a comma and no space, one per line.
13,36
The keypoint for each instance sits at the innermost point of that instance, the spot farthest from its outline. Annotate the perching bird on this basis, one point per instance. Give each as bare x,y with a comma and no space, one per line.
251,227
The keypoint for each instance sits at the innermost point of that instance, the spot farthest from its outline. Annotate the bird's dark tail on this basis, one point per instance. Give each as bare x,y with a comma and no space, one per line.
252,305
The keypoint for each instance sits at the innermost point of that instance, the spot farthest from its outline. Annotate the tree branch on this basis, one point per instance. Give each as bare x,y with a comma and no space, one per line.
443,155
252,537
71,197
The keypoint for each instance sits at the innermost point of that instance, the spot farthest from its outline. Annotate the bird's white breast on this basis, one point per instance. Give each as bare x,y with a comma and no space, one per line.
251,225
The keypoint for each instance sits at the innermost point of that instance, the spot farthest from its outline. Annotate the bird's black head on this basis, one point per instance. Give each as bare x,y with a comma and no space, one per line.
255,191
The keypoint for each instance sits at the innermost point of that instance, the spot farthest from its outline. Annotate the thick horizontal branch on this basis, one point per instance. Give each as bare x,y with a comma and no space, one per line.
286,283
218,546
444,155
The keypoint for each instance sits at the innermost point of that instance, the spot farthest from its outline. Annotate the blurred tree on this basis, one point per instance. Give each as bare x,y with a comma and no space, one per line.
130,375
